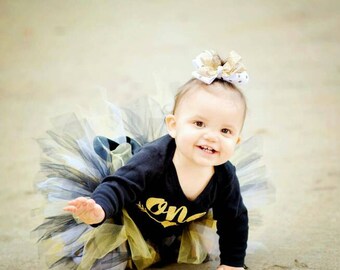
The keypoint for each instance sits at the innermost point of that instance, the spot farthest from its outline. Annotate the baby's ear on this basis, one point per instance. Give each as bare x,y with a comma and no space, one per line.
170,121
238,141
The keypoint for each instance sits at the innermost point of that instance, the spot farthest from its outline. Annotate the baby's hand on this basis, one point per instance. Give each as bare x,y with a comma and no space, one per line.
87,210
225,267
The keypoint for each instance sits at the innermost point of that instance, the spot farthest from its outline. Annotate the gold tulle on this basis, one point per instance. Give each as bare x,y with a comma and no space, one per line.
107,237
196,243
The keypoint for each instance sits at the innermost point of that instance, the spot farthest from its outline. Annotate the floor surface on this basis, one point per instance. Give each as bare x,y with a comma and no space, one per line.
55,55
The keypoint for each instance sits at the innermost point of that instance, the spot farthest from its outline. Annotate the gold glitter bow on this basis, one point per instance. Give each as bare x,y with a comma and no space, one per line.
209,67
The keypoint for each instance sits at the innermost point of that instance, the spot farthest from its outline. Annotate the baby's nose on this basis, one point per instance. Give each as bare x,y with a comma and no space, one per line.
210,136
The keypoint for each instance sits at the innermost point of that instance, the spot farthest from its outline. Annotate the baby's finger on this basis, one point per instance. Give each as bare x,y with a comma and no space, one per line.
90,205
85,207
70,209
78,202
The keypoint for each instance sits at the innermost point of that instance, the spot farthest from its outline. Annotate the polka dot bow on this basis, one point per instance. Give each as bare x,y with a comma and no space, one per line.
209,67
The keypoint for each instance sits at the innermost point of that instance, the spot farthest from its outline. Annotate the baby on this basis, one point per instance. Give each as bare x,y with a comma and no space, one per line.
179,177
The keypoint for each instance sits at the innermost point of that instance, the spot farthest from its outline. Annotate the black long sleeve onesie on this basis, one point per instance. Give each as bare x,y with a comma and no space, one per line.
148,188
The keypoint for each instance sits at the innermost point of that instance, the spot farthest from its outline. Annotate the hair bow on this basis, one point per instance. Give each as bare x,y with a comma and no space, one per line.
209,67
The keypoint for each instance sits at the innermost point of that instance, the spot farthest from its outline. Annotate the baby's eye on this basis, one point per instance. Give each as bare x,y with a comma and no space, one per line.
226,131
199,124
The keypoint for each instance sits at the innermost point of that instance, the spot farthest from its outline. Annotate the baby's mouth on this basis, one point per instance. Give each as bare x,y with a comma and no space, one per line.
207,149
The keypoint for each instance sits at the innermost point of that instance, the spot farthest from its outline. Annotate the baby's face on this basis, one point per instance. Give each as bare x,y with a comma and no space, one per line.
207,126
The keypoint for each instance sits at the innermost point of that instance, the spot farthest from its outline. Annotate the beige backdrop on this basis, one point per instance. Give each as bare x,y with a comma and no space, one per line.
54,55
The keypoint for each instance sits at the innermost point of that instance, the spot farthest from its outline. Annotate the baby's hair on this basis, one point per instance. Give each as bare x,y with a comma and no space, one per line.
194,83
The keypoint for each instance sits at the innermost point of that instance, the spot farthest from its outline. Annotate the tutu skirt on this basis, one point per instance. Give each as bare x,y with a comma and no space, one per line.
74,161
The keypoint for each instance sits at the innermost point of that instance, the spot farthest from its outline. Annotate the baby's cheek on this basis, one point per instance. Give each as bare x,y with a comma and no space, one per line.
184,139
229,146
188,135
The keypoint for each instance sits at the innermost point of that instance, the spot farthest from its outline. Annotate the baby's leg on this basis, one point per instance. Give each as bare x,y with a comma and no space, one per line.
103,146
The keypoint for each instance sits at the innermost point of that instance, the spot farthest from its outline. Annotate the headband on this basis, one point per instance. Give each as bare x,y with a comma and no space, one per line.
209,67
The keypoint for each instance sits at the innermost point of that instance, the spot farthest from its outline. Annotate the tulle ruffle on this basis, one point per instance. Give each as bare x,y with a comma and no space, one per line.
72,168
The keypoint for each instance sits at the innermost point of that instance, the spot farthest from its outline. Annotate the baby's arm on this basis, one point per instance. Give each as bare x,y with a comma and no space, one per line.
232,223
87,210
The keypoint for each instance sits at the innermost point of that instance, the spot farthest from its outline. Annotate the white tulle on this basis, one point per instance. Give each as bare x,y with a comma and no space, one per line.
72,168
